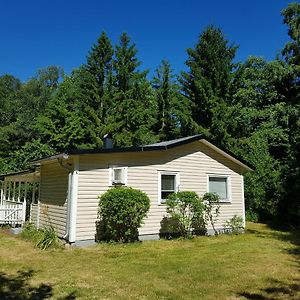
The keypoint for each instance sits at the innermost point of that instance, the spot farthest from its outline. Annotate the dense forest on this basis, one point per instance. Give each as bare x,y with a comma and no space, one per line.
251,108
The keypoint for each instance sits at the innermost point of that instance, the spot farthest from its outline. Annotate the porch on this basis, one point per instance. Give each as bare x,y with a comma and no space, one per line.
19,197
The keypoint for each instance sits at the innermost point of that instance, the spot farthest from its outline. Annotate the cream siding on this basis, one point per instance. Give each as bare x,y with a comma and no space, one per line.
193,161
33,213
53,197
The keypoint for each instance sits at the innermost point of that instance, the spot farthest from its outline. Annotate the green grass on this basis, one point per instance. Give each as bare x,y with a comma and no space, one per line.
261,264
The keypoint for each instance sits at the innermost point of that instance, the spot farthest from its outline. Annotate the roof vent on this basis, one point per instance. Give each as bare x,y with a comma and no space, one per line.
107,141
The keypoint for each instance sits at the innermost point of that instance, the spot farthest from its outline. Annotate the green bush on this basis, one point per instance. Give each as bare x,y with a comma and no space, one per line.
186,210
234,225
48,238
121,211
30,232
43,238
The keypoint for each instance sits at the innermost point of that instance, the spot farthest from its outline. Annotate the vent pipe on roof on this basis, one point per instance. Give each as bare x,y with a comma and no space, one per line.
107,141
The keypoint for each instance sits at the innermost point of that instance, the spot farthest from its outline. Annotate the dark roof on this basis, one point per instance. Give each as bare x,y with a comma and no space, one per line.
151,147
16,173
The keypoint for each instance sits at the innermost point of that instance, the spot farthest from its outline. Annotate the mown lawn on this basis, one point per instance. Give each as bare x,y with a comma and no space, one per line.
261,264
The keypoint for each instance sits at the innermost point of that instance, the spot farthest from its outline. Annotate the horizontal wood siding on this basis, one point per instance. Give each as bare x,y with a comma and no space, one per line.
193,161
33,213
53,198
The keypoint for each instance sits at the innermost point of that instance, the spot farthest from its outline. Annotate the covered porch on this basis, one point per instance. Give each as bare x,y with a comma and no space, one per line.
19,197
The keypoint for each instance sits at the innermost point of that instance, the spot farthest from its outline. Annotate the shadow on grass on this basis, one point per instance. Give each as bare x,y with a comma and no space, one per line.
17,287
279,289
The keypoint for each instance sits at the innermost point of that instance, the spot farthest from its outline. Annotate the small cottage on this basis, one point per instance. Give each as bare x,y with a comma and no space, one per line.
71,182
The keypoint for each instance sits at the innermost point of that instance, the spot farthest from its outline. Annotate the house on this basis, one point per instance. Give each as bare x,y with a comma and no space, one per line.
71,182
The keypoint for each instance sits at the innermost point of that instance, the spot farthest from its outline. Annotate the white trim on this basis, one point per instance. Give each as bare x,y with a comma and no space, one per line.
205,142
73,202
228,182
177,183
243,203
124,174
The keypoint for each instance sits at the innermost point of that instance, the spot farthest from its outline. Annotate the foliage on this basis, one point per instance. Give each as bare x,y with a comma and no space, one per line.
251,108
43,238
122,210
30,232
234,225
186,209
48,238
207,82
211,203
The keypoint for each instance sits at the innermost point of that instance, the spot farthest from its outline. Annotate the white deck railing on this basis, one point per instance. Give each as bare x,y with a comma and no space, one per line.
12,213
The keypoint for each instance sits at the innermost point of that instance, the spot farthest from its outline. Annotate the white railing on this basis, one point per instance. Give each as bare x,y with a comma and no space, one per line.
12,212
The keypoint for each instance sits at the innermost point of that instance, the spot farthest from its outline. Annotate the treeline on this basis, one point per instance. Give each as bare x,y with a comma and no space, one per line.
251,108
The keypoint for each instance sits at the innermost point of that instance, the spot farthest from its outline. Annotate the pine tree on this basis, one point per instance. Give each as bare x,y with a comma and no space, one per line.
169,105
131,115
208,80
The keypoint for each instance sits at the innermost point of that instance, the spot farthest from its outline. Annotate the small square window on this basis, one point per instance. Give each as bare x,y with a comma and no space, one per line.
168,185
220,186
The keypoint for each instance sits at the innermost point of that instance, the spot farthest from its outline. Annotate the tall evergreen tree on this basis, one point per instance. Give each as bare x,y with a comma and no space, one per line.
169,105
207,82
131,115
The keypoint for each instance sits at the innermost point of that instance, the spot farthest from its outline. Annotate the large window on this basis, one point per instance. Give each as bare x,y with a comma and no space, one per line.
168,184
219,185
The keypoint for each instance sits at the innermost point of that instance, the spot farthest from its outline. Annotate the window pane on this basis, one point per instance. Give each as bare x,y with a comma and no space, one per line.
168,182
117,175
164,195
218,185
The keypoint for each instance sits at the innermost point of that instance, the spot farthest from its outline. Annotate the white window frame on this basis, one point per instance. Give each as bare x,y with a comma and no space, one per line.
111,172
177,183
228,181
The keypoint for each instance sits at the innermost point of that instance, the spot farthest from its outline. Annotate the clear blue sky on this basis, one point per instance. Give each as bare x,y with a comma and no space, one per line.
39,33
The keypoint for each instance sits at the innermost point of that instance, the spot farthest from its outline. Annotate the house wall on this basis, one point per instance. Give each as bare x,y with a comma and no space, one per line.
193,161
53,197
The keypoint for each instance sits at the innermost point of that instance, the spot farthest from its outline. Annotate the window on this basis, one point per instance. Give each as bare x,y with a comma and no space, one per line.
117,175
168,184
219,185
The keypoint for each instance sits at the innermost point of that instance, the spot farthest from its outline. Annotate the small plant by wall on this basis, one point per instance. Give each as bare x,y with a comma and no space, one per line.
211,209
234,225
43,238
121,211
186,213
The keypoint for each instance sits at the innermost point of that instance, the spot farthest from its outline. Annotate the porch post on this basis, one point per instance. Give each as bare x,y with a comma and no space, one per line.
4,194
19,191
2,186
33,192
9,185
14,191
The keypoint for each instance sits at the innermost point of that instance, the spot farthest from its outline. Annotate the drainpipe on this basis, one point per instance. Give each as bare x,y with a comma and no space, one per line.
69,169
73,202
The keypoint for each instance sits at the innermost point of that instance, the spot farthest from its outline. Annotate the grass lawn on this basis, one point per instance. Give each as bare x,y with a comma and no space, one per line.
261,264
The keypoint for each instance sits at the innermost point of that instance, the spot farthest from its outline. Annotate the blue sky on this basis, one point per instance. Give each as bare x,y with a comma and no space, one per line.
38,33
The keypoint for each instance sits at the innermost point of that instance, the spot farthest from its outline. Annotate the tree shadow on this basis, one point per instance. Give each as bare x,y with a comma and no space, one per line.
17,287
280,289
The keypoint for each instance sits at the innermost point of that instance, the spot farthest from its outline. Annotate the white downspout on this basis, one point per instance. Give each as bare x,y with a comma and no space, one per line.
243,203
73,202
68,205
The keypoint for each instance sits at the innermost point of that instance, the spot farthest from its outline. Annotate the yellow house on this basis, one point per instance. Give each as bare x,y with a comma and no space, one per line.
71,182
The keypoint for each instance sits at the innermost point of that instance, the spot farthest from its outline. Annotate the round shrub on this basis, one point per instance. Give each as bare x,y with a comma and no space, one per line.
121,211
